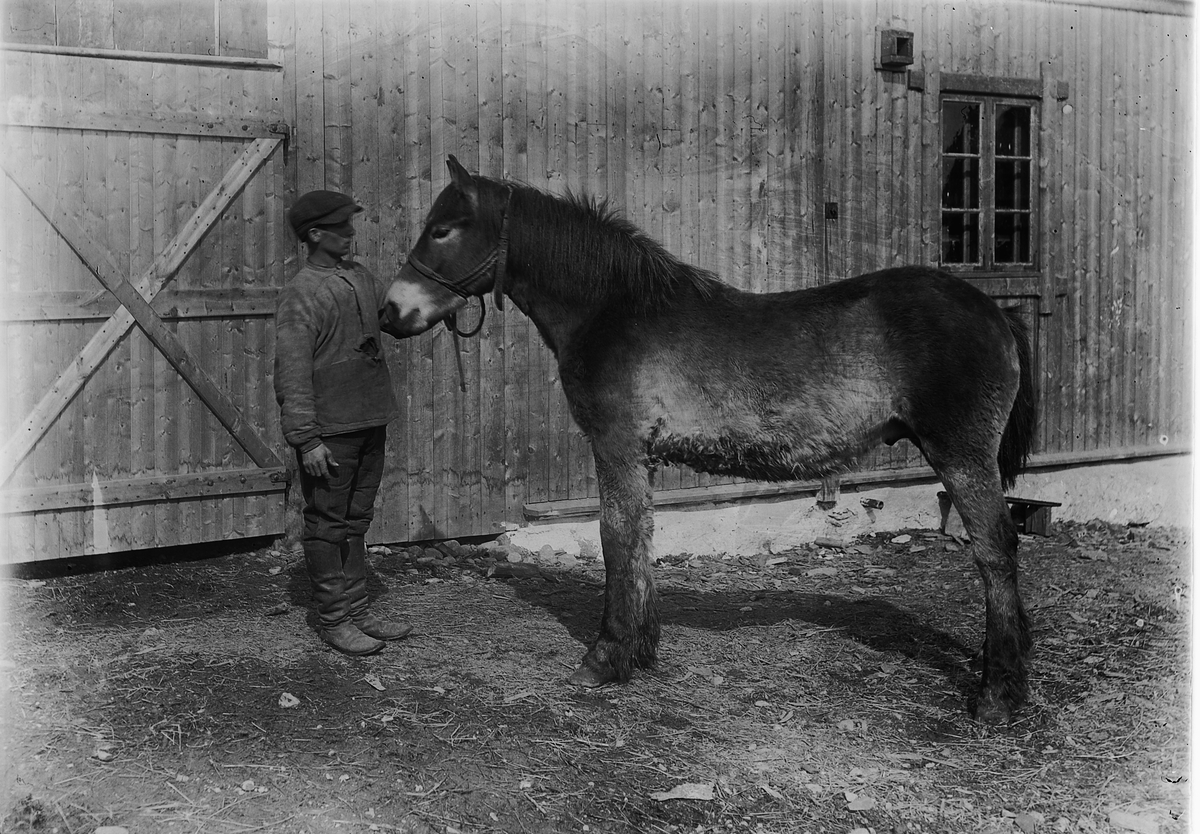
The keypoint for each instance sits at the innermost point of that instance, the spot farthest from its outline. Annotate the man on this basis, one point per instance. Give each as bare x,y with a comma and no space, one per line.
335,399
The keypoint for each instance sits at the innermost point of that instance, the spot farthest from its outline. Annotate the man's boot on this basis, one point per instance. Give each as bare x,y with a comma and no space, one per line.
356,590
324,561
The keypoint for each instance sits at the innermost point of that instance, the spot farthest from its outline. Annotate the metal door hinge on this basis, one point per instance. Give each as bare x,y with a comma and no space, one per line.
285,130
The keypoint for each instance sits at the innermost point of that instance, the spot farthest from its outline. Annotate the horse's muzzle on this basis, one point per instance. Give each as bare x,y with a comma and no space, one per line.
415,304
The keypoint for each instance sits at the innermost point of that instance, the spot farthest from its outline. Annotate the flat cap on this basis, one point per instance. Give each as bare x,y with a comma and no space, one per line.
320,208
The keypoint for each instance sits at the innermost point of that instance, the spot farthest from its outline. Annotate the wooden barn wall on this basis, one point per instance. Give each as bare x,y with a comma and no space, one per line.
129,149
1115,183
723,129
631,101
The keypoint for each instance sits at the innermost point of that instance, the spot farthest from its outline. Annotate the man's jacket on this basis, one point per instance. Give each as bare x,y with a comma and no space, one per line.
330,373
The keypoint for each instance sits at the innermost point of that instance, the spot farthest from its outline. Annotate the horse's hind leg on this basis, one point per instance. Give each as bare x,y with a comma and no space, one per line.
629,628
976,492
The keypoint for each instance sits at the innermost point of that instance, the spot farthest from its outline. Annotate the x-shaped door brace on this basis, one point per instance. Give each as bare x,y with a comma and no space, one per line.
135,300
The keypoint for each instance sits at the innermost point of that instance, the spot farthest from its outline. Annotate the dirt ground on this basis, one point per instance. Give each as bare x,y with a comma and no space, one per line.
818,690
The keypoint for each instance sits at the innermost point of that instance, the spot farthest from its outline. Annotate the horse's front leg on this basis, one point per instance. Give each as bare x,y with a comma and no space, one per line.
629,629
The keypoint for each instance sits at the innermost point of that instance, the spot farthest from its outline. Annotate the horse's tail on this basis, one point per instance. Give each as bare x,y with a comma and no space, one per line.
1017,440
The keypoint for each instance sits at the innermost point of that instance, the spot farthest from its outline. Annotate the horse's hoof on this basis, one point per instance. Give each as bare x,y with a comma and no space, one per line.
588,677
992,711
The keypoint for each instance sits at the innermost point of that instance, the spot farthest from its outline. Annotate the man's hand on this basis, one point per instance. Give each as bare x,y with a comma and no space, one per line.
318,462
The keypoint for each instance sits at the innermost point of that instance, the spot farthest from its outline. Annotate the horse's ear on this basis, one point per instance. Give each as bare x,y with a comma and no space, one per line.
459,176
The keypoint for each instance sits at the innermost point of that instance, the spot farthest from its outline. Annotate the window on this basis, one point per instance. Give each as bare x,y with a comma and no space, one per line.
988,183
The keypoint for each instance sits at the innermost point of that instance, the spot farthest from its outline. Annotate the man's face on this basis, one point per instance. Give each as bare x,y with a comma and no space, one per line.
333,241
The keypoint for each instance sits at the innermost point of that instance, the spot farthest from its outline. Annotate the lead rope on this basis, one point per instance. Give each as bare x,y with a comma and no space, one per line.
452,326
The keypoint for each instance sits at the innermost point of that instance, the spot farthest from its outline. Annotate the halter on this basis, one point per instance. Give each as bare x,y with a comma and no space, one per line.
495,260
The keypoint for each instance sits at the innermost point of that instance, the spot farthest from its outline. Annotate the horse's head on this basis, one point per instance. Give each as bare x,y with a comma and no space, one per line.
462,252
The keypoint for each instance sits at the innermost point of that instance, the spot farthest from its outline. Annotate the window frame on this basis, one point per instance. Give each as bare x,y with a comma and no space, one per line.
989,95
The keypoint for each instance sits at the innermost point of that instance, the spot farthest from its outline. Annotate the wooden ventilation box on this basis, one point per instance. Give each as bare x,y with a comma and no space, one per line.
1030,515
895,49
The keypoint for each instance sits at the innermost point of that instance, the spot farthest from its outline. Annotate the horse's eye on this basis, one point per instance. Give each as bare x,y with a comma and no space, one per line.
439,233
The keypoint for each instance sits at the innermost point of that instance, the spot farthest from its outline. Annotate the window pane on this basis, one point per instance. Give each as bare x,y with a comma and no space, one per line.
1012,238
960,183
960,237
960,127
1012,130
1012,184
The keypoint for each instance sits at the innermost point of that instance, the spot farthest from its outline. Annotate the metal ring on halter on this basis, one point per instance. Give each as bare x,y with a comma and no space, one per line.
452,320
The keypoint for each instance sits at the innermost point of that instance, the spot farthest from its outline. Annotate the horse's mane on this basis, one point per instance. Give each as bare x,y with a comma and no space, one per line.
609,258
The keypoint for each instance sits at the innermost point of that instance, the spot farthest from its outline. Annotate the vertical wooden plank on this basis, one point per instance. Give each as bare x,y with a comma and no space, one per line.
1164,333
192,28
558,39
419,190
165,178
1124,225
707,160
517,353
447,398
664,62
92,197
494,450
574,24
392,230
1136,391
51,461
785,30
690,85
1107,207
243,27
541,362
18,358
596,99
761,164
281,249
115,208
645,139
1179,255
191,157
835,165
1066,271
660,149
1157,224
310,98
469,486
203,335
85,23
624,185
1086,235
723,94
371,140
576,63
339,135
29,21
816,71
773,175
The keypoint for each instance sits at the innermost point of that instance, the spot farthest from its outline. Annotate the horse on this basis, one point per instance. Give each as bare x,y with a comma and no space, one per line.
663,363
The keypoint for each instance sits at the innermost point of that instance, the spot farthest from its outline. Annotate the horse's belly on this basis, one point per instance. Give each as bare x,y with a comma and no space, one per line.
777,425
751,448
